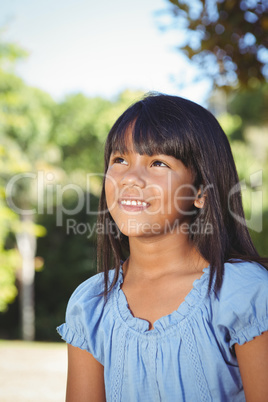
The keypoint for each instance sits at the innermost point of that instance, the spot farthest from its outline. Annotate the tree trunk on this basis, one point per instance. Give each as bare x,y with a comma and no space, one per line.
26,241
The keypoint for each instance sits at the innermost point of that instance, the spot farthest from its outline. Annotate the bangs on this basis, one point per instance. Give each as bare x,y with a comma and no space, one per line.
147,140
153,132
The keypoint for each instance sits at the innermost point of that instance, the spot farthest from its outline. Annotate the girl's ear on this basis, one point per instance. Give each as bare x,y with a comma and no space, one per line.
199,202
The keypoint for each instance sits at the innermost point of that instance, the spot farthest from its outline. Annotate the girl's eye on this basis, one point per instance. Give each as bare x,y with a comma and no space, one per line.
159,163
119,160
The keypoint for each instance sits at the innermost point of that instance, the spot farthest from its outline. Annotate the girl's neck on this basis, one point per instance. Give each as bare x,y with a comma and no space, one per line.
148,257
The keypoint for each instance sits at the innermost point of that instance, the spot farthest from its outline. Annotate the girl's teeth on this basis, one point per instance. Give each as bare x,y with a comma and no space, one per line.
128,202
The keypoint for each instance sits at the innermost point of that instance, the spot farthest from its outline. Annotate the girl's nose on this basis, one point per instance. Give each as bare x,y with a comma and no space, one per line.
134,178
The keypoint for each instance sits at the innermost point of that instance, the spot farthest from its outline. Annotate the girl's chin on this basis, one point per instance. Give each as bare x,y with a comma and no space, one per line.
141,234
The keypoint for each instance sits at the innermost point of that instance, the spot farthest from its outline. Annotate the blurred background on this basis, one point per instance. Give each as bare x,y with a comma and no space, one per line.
68,69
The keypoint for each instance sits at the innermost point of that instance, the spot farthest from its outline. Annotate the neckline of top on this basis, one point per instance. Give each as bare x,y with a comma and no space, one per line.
191,301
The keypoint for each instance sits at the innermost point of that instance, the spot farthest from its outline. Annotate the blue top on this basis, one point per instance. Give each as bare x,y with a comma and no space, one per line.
189,355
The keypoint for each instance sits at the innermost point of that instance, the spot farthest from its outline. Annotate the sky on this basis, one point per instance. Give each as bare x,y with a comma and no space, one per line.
99,48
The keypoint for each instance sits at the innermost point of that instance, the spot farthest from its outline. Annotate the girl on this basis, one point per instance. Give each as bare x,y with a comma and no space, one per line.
183,316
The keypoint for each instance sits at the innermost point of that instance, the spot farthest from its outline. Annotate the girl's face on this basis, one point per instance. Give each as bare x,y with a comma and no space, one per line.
148,195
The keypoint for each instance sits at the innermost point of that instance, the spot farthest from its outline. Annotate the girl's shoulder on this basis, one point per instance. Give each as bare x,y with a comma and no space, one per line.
239,275
90,290
243,281
84,312
241,305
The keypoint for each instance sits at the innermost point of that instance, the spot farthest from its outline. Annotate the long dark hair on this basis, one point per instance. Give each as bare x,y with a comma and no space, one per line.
164,124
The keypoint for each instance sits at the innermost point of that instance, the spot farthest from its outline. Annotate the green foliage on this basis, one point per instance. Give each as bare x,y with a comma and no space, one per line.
24,126
228,39
80,127
246,124
10,53
251,105
9,259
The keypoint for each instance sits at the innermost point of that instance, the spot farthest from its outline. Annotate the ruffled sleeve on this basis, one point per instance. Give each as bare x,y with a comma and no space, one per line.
83,315
241,311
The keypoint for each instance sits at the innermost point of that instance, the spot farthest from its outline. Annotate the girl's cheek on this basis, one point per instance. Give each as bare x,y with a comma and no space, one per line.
111,180
110,193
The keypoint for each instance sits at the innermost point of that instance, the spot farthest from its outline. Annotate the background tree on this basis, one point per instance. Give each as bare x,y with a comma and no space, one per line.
228,39
11,161
243,117
25,123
